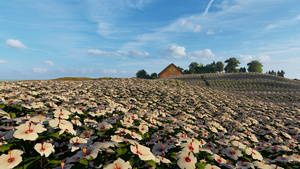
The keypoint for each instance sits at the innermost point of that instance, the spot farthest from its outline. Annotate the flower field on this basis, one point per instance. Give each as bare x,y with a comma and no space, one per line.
135,123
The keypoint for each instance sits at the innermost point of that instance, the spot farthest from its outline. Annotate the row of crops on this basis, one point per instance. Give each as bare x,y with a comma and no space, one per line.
255,85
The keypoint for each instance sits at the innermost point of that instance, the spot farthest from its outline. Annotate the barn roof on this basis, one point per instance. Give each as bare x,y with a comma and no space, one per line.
168,68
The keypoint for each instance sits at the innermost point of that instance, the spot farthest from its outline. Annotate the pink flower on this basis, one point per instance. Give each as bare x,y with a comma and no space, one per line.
11,160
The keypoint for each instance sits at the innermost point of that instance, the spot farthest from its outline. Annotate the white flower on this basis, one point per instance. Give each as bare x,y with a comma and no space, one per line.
186,160
255,154
11,160
76,143
209,166
244,165
44,148
232,153
118,164
219,159
28,131
143,128
143,152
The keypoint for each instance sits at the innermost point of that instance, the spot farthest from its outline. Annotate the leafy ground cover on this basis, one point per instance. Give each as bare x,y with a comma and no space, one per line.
134,123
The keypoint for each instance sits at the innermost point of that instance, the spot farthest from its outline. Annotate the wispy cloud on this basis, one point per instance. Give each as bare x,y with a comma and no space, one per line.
283,23
3,61
249,58
136,54
15,44
40,70
48,62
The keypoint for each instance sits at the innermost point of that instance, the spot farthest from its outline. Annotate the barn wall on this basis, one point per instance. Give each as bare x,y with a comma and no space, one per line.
170,71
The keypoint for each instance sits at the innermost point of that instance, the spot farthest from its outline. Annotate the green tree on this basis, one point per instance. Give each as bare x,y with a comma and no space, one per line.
154,76
142,74
192,70
254,66
232,63
242,69
180,68
280,73
194,65
220,66
186,71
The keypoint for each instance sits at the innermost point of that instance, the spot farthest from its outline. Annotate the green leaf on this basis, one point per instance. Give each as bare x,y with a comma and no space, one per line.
12,115
121,150
200,165
28,162
152,163
84,161
54,163
5,147
210,158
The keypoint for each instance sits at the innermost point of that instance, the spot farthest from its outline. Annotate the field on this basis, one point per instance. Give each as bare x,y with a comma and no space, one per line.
190,121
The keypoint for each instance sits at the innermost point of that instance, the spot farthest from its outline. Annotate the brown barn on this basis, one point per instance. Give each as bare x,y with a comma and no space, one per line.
170,70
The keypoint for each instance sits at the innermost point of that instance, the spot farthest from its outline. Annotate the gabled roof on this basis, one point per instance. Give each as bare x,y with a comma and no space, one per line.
168,68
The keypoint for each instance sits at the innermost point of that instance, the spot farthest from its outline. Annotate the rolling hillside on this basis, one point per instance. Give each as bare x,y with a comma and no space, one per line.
253,85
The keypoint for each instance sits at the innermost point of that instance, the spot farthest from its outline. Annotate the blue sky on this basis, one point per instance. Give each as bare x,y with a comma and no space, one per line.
116,38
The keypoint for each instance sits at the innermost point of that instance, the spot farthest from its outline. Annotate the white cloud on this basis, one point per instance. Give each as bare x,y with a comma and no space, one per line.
40,70
210,32
183,25
138,54
249,58
201,54
119,53
3,61
271,26
15,44
178,52
103,53
174,52
48,62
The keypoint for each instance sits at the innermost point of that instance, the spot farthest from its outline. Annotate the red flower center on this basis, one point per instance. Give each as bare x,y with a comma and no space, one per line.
191,148
187,159
28,131
138,152
11,159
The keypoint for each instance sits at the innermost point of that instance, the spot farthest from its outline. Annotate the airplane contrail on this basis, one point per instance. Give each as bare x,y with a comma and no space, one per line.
208,6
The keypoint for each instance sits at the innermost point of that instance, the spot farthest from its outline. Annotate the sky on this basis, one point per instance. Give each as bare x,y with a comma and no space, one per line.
116,38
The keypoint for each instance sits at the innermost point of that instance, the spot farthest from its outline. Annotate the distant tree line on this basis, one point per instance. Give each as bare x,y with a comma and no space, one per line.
215,67
144,75
279,73
231,67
